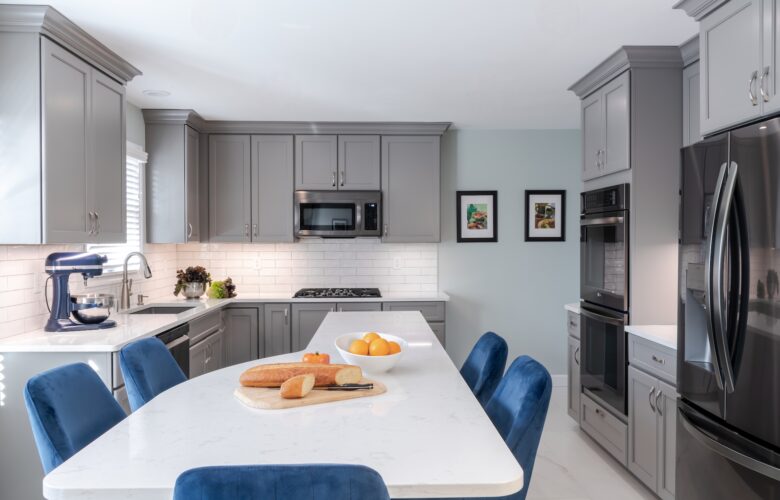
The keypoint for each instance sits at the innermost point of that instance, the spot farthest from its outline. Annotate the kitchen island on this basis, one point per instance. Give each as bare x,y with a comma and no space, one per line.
427,436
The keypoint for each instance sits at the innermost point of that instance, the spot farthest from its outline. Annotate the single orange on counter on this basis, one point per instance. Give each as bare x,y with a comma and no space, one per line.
394,347
319,358
370,337
359,347
378,347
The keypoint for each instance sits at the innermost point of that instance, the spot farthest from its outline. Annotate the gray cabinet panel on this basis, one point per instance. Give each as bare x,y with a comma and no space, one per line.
730,41
241,335
667,440
691,105
359,162
106,164
771,57
316,162
272,188
65,107
410,188
216,352
606,429
192,184
277,329
166,188
574,379
359,306
230,202
306,318
207,355
616,154
573,324
643,427
198,354
440,331
592,135
431,311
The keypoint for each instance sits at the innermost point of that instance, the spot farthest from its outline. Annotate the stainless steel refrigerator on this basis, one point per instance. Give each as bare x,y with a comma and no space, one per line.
728,415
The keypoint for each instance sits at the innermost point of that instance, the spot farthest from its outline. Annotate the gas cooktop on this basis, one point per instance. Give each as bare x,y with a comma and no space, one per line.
340,293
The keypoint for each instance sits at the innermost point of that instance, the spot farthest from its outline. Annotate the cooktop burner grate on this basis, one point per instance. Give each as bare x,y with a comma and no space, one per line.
328,293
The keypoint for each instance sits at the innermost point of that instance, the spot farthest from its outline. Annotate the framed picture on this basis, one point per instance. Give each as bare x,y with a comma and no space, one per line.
545,215
477,216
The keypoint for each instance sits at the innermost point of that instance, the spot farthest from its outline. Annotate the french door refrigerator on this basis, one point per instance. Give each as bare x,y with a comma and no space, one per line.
728,415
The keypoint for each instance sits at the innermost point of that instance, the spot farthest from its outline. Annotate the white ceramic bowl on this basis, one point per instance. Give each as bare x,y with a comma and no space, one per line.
370,364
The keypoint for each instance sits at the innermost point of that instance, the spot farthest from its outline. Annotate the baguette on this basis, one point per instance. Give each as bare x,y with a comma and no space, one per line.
297,387
274,375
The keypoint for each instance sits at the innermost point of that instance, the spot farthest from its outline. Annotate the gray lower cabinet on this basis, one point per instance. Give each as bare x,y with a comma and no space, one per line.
242,335
230,193
433,312
440,331
306,318
605,428
277,329
272,187
358,163
574,387
207,355
691,104
316,162
359,306
667,440
410,189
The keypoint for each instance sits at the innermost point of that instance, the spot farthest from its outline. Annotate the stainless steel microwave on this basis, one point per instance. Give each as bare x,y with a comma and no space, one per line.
338,214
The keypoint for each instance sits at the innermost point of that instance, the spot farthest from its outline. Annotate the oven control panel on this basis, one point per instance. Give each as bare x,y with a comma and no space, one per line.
605,200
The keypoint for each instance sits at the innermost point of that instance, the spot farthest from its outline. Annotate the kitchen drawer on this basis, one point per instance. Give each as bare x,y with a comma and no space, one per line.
606,429
431,311
653,358
573,324
202,327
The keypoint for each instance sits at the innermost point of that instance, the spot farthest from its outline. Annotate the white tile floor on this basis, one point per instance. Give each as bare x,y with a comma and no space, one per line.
571,466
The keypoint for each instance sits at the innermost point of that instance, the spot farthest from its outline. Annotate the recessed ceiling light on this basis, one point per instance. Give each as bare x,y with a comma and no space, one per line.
156,93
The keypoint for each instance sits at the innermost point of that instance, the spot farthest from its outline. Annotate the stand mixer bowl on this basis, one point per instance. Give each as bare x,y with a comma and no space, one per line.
91,308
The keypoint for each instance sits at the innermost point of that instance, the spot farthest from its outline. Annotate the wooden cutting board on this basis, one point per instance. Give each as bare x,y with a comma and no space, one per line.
268,398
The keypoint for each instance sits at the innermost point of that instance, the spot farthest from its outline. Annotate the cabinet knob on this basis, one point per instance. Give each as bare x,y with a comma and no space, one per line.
658,360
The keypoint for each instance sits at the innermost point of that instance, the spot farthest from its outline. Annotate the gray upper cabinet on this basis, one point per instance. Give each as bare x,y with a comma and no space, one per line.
277,329
691,105
272,188
172,177
358,162
230,202
769,86
241,336
316,162
592,135
306,318
410,189
731,71
606,122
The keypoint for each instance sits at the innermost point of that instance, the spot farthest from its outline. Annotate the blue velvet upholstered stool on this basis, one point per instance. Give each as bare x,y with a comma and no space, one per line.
69,407
148,369
281,482
485,365
518,409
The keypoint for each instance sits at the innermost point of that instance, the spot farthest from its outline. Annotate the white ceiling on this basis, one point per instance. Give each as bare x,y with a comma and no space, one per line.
477,63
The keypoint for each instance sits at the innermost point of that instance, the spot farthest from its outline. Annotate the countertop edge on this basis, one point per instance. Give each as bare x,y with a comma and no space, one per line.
573,307
663,335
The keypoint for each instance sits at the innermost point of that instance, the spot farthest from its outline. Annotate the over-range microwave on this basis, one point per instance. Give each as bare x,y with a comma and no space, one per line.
338,214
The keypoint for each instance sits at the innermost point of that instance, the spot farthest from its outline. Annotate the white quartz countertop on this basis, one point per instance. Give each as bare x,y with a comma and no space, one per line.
573,307
427,435
132,327
665,335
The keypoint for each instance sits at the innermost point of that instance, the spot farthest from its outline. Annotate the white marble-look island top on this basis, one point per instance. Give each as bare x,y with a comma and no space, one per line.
427,435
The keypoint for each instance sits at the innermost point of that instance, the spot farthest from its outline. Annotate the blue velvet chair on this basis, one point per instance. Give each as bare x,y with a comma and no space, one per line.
69,407
485,365
518,409
281,482
148,369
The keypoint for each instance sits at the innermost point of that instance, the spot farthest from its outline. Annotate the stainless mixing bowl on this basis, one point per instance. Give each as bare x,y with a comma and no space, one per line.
91,308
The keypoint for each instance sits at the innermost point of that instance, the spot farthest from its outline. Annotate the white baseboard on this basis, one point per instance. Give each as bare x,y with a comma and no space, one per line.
560,380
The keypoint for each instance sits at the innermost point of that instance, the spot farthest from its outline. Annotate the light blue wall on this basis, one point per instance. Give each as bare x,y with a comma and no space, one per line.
136,130
514,288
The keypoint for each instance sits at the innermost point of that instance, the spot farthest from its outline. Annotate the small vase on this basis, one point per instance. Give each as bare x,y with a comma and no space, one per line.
194,290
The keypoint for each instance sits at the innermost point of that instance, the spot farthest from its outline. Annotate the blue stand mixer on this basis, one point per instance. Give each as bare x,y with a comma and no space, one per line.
60,266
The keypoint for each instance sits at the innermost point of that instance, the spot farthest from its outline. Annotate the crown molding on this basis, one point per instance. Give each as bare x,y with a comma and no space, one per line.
625,58
698,9
377,128
50,23
689,50
174,117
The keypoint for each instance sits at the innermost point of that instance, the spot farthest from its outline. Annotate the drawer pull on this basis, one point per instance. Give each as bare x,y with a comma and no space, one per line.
572,324
600,412
659,360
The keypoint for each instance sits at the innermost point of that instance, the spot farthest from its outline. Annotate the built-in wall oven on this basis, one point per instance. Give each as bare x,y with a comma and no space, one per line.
604,306
337,214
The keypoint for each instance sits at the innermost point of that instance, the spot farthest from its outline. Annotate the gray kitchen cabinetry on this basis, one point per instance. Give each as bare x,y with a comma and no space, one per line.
306,318
230,193
172,176
592,135
606,128
573,350
272,186
316,162
410,189
207,355
242,335
358,162
359,306
433,312
691,104
277,329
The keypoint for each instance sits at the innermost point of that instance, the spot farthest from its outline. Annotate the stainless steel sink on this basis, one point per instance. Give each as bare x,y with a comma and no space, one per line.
163,310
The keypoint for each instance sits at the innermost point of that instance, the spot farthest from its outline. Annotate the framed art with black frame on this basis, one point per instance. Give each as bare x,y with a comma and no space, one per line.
477,216
545,215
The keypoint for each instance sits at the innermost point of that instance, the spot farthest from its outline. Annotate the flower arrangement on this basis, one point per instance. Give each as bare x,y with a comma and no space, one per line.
222,289
191,275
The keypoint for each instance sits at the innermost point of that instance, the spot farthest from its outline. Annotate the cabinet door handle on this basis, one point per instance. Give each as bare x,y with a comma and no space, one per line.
97,223
286,315
343,176
254,230
333,179
597,161
577,356
385,229
751,94
650,399
603,155
341,309
246,230
658,402
189,230
91,222
762,84
658,360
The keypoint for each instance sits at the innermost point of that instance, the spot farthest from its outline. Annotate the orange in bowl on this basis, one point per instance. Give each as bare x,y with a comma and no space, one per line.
359,347
378,347
394,347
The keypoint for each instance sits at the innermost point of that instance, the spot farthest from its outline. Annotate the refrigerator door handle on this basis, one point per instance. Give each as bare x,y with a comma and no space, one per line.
729,454
708,274
719,260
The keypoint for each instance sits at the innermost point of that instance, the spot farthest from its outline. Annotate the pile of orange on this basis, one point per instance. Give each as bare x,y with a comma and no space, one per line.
372,344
